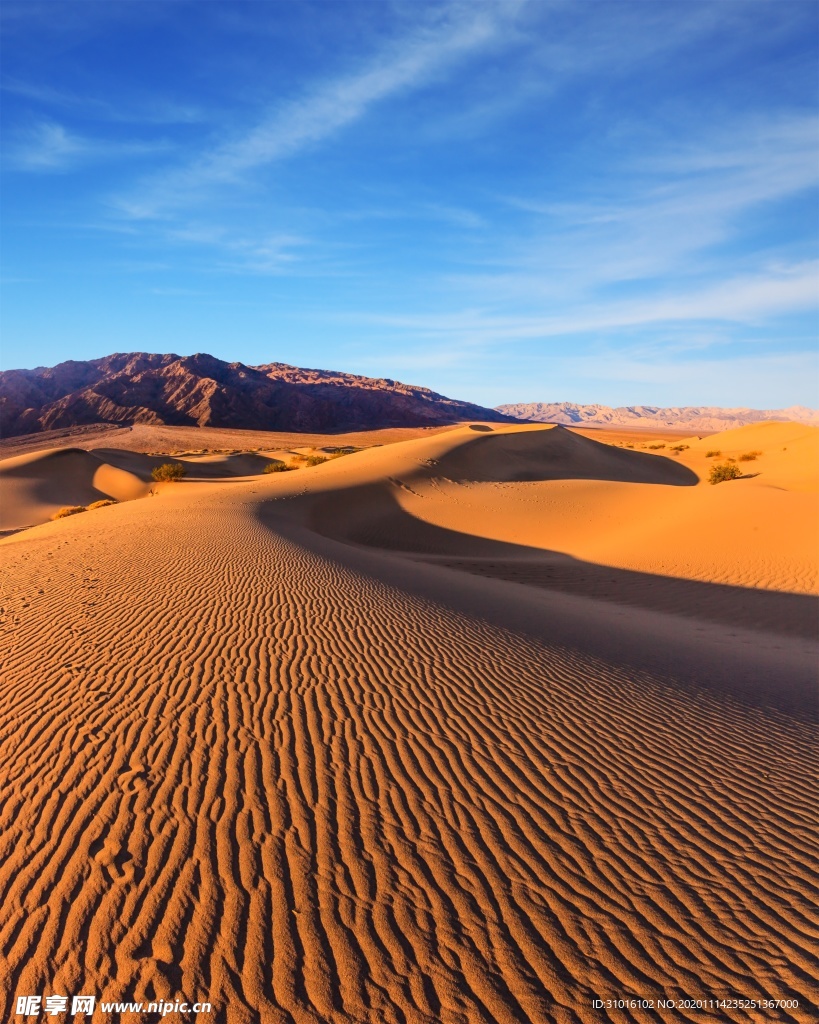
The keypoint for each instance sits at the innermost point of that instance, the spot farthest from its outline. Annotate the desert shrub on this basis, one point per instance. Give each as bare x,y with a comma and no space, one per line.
679,448
315,460
169,471
654,447
101,504
713,454
69,510
749,456
277,467
724,471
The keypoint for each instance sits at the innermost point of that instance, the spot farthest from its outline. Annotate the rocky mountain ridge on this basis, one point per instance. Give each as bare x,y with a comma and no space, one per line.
200,390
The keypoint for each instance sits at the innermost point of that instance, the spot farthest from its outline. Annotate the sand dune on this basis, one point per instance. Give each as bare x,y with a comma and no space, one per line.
483,455
34,486
789,453
280,744
35,482
544,494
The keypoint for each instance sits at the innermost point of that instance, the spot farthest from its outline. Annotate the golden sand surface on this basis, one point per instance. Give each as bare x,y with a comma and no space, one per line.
473,727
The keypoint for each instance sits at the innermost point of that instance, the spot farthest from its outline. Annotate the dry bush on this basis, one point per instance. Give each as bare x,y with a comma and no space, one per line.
724,471
654,447
713,454
277,467
168,471
101,504
749,456
315,460
69,510
679,448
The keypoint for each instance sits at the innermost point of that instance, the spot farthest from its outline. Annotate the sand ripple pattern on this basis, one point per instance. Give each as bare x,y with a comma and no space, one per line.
241,771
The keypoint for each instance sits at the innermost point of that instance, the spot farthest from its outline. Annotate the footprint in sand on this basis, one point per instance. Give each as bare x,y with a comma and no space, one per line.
113,859
163,975
134,779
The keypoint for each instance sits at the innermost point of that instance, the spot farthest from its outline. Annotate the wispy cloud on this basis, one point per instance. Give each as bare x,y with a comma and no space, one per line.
145,109
176,292
658,214
747,299
459,216
328,108
261,251
47,146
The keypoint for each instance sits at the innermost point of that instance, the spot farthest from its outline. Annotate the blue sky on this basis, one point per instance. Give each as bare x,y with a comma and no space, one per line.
517,201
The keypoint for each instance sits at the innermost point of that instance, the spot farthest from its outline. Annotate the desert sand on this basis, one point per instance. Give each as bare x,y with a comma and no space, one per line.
477,726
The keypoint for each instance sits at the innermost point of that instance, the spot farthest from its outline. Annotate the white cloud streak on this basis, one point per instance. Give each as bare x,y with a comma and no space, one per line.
146,109
327,109
48,147
744,300
665,209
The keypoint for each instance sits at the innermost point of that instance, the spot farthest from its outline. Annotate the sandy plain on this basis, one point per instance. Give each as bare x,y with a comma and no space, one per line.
479,725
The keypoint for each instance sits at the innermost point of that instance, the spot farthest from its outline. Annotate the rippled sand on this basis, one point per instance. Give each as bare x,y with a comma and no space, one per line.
306,746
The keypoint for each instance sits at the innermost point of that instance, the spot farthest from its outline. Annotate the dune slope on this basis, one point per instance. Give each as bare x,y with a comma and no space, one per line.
36,485
545,494
319,782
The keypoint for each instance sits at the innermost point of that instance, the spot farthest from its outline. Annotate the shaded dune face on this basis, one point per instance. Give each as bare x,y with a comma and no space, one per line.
373,517
555,454
294,747
370,513
35,486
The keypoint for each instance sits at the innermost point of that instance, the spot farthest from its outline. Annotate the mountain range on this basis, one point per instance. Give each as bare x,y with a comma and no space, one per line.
694,417
200,390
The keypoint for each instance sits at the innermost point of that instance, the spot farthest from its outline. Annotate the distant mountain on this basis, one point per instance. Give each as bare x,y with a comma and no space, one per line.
199,390
696,417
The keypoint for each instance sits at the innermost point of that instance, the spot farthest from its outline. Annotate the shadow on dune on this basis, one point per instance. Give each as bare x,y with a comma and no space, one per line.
34,485
372,517
66,476
773,611
556,454
751,645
